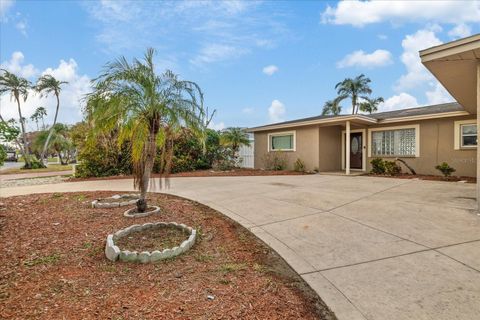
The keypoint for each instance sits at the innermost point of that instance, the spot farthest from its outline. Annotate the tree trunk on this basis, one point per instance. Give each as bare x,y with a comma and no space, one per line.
26,150
51,131
149,160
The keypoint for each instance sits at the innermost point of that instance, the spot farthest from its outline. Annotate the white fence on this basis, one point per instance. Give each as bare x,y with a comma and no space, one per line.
246,156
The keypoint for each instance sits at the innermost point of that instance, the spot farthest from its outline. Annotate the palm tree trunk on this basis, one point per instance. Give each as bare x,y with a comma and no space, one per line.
26,150
147,171
51,130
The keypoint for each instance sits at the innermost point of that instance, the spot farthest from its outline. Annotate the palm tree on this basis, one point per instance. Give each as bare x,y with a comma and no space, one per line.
46,85
60,142
18,88
333,107
234,138
353,89
147,109
39,113
370,105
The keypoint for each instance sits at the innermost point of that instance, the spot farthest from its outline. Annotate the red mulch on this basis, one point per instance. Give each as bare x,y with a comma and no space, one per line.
207,173
429,177
53,266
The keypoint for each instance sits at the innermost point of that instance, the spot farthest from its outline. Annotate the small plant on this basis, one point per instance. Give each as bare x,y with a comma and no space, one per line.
42,260
275,161
299,165
232,267
392,168
445,169
378,166
57,195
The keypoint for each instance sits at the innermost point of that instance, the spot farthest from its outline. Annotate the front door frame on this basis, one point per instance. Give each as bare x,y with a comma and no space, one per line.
364,149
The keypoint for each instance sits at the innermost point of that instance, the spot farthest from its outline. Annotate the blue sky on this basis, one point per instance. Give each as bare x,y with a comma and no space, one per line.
257,62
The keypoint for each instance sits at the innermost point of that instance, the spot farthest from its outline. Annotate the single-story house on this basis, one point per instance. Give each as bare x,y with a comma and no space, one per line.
423,137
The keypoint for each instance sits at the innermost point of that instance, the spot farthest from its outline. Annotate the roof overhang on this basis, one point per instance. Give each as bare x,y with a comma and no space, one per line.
454,64
357,118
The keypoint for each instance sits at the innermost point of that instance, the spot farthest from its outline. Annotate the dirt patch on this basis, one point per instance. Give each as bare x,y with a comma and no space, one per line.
428,177
208,173
152,239
53,266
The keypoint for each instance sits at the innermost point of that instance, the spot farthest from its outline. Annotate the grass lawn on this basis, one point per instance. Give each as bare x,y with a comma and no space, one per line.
54,266
50,168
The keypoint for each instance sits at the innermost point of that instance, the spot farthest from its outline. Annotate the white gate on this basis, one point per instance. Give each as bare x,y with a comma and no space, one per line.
245,159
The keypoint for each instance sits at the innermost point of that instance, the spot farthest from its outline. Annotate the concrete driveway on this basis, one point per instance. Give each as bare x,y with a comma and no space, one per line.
373,248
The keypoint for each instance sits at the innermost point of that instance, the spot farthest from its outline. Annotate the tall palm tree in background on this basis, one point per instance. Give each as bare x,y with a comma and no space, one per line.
234,138
370,105
333,107
39,114
147,109
47,85
354,89
18,88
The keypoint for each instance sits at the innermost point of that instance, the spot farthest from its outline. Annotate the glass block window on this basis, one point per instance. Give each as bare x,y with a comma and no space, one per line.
468,135
282,142
399,142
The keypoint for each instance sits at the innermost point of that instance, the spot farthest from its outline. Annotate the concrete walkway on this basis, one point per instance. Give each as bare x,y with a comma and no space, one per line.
373,248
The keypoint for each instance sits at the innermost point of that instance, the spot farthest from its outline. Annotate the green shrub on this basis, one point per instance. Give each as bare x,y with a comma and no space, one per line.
299,165
445,169
3,155
275,161
378,166
392,168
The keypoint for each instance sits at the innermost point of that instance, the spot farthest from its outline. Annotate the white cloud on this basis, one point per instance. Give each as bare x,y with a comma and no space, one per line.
5,5
70,96
22,26
276,111
248,110
461,30
216,126
221,30
217,52
359,58
438,94
270,70
416,74
382,36
361,13
400,101
15,65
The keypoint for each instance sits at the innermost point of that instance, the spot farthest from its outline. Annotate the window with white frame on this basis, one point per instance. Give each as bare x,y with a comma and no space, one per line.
282,141
468,135
398,142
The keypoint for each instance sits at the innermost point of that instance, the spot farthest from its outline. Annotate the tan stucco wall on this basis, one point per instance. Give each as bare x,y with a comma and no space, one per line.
321,147
307,148
330,151
437,146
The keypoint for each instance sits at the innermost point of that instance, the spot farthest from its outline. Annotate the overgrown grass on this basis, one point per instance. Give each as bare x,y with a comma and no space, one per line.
232,267
53,258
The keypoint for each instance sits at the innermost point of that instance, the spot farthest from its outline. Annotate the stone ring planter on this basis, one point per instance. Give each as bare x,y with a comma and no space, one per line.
114,203
130,213
114,253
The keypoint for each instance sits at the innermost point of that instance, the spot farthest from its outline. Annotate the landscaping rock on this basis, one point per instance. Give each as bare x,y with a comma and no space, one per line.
114,253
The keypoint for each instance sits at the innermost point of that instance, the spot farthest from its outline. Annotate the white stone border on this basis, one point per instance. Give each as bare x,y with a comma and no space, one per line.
130,212
114,253
97,204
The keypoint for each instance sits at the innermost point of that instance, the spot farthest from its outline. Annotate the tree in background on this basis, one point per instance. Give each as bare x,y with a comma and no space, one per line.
60,144
234,138
370,105
355,89
148,110
47,85
18,89
332,107
3,155
39,114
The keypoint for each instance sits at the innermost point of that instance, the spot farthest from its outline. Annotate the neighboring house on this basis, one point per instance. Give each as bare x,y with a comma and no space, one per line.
423,137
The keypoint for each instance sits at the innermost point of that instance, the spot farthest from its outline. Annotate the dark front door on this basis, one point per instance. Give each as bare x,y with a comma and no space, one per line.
356,150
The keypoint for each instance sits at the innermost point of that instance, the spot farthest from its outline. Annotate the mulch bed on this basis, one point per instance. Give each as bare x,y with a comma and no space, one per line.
152,239
53,266
428,177
207,173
